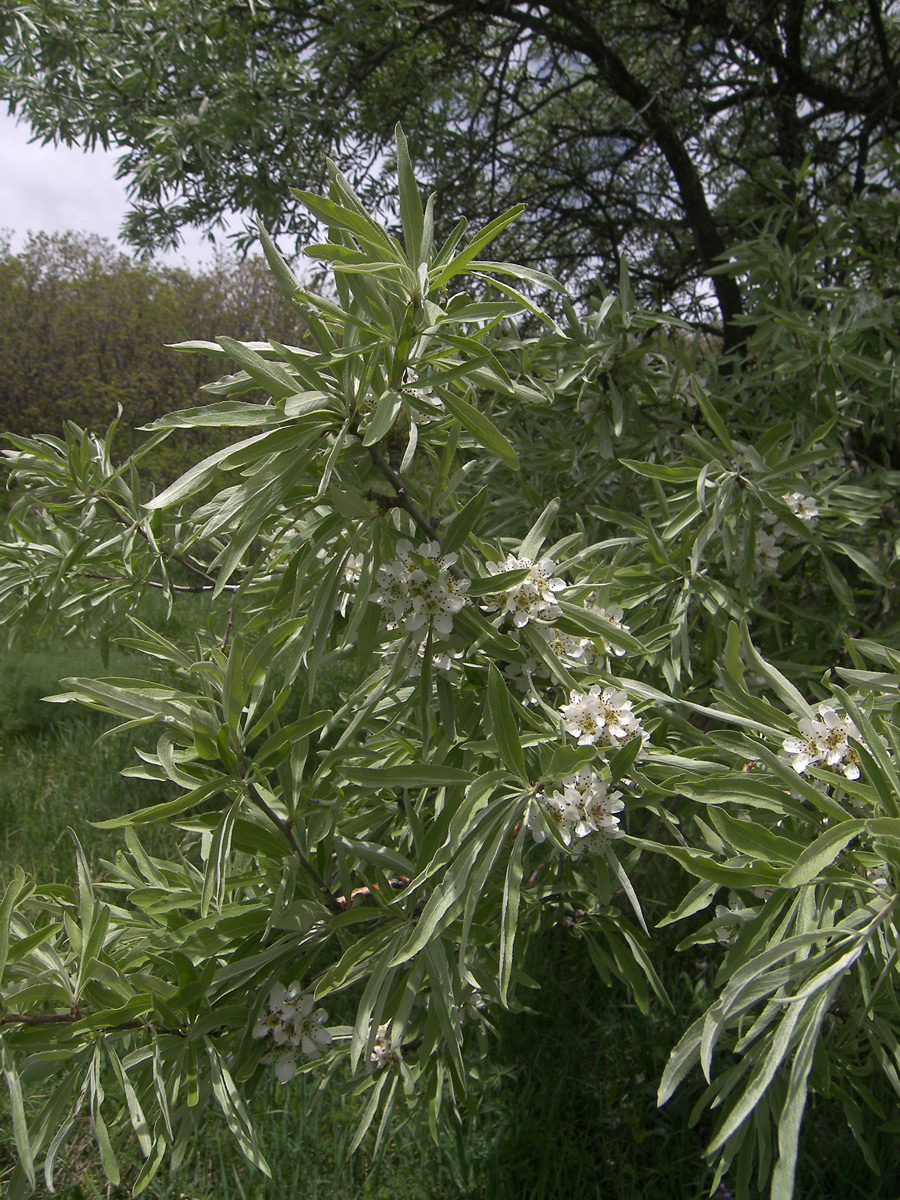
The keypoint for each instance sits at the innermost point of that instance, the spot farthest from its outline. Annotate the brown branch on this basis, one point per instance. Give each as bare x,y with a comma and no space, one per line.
403,500
228,625
130,523
574,31
286,830
72,1017
884,49
175,587
832,96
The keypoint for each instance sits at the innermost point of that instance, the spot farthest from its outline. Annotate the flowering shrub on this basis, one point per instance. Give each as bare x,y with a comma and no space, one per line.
452,500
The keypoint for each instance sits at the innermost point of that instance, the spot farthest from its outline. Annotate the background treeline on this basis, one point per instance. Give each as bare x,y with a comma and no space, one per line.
85,329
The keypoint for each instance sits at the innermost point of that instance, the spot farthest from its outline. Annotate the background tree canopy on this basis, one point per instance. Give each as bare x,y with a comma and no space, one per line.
644,129
85,331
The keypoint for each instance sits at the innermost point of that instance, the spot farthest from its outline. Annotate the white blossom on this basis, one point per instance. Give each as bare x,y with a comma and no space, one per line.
805,507
824,742
767,551
353,566
534,599
566,646
417,599
522,675
877,877
441,660
601,717
291,1026
534,820
384,1053
614,616
583,810
727,933
471,1007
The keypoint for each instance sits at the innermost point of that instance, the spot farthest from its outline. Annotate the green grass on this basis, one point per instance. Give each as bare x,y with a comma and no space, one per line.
55,774
565,1109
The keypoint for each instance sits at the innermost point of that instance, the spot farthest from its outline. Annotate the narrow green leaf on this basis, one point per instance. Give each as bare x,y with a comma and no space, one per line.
368,1115
287,281
459,264
136,1113
822,853
104,1145
530,546
463,523
782,686
168,809
412,217
383,418
713,420
271,376
763,1074
791,1116
628,888
509,913
755,840
412,775
228,414
371,236
17,1105
490,585
150,1168
217,862
484,431
683,1058
250,449
15,888
506,733
378,985
591,624
234,1110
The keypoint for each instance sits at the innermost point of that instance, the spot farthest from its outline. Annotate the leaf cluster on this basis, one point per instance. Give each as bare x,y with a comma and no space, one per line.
549,567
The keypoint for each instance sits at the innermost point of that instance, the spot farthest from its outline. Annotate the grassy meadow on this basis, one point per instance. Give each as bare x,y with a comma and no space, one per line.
566,1106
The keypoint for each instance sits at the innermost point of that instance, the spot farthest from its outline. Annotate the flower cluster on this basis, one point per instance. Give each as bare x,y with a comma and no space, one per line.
583,811
614,616
441,660
384,1053
727,932
804,507
767,549
534,599
574,651
766,552
601,717
293,1028
349,581
416,599
471,1006
824,742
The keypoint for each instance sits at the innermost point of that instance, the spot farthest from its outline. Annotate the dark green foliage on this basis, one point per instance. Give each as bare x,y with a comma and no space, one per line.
631,127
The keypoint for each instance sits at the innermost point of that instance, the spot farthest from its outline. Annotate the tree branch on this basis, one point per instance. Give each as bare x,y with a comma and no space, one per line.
285,829
130,523
884,50
77,1015
403,500
580,36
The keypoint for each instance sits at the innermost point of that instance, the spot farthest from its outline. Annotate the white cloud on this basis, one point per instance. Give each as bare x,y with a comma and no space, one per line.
51,189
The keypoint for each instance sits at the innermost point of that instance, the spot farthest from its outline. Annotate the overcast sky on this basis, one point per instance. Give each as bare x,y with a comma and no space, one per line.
53,189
